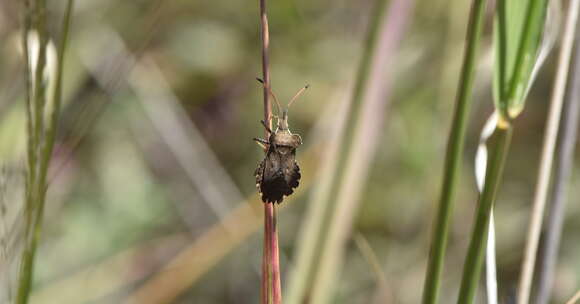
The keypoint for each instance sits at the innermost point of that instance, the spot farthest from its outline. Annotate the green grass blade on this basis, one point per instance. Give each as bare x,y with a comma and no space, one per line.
38,166
518,30
455,147
360,149
319,212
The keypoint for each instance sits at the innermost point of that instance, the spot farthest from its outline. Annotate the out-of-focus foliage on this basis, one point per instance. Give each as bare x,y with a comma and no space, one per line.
121,205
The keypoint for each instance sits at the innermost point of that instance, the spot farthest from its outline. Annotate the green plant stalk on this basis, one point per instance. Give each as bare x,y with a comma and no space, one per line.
455,147
309,239
499,146
29,123
42,144
502,57
310,242
34,17
39,88
57,98
349,184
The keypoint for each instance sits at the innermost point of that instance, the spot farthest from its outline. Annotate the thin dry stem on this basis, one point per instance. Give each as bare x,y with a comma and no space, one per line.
274,255
271,288
547,154
559,196
574,299
266,65
360,143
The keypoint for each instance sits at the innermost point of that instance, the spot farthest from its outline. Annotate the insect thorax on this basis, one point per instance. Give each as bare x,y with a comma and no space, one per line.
286,138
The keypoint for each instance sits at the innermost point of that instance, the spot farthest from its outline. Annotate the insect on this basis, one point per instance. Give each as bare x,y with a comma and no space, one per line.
279,174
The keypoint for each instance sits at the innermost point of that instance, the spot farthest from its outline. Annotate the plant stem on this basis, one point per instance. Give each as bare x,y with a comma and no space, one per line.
35,18
574,298
547,157
31,161
320,206
265,254
271,285
562,173
40,140
274,256
313,237
455,147
38,83
502,107
266,65
359,146
498,146
266,266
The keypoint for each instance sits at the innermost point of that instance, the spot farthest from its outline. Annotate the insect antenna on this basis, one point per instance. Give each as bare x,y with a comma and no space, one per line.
297,95
271,94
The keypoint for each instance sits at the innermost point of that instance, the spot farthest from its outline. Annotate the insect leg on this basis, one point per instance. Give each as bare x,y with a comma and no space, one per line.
261,142
266,126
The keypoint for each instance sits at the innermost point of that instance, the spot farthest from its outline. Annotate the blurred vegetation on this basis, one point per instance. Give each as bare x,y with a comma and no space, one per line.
121,205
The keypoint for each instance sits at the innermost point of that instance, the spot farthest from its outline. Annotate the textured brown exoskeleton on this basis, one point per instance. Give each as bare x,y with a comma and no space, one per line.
278,174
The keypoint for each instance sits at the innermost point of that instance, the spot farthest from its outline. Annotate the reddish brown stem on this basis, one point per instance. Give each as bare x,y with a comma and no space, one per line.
266,269
271,285
274,255
266,65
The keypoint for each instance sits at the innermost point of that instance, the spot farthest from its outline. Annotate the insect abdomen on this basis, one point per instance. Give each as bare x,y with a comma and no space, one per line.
277,176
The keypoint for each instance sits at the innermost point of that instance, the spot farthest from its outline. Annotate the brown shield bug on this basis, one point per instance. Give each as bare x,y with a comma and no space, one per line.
279,174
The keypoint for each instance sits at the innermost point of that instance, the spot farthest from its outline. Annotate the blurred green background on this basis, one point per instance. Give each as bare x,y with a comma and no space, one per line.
155,151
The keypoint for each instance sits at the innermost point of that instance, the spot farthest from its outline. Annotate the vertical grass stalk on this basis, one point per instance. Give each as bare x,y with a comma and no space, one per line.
320,206
332,209
359,147
455,147
41,134
498,147
518,43
480,167
271,290
574,298
562,173
547,157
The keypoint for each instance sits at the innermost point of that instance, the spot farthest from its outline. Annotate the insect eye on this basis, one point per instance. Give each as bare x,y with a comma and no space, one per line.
297,138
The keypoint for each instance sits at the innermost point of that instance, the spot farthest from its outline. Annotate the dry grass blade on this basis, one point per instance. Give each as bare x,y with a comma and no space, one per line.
362,143
195,260
574,299
98,275
550,137
562,173
371,257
